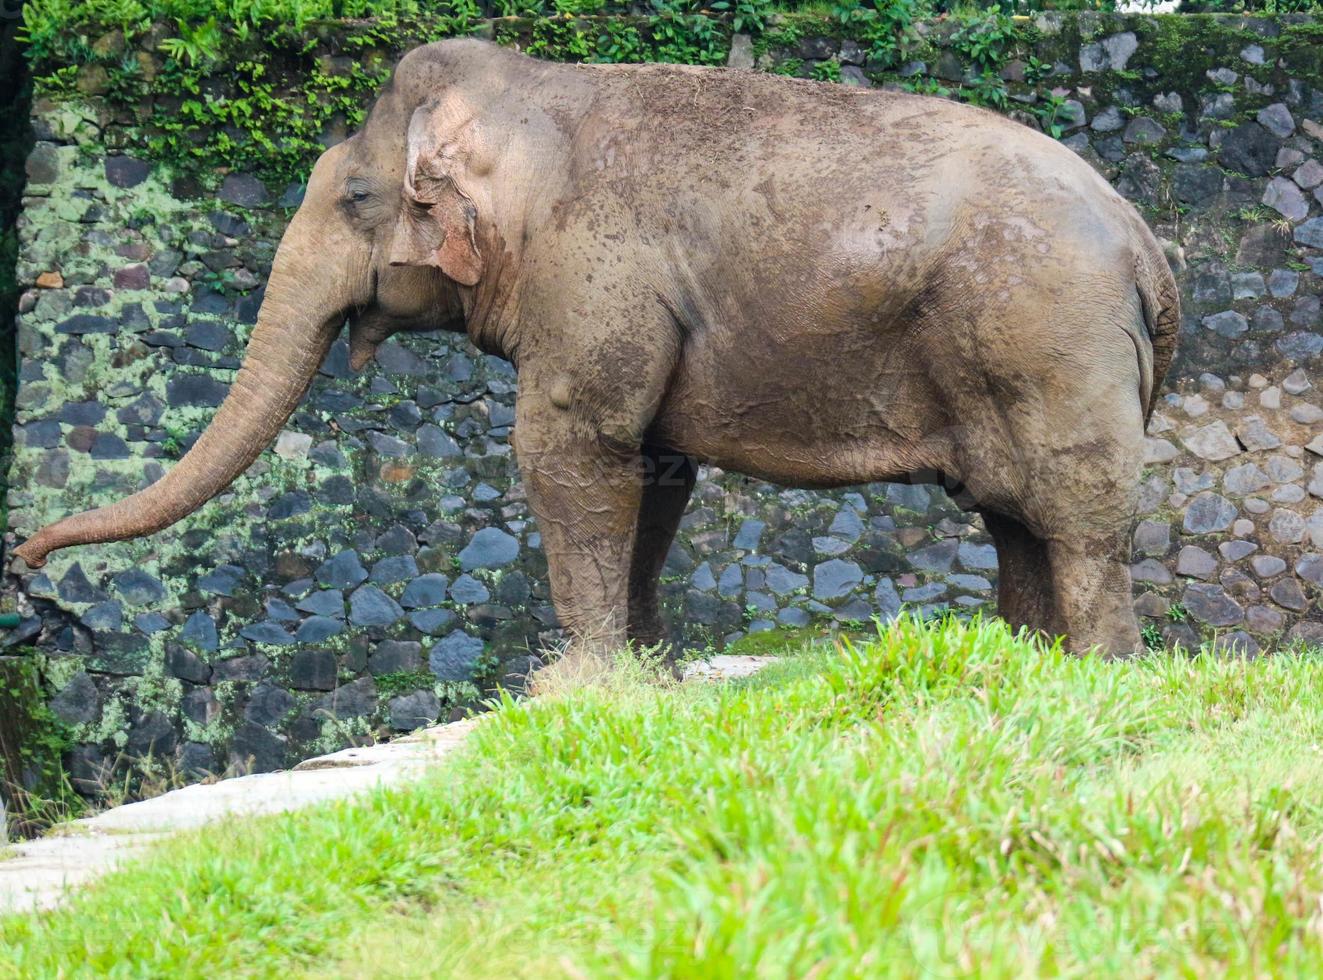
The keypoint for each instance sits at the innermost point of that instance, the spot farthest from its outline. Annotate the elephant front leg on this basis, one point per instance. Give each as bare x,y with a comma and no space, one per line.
585,493
668,480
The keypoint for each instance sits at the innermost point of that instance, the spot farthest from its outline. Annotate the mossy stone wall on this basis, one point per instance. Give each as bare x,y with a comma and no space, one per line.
378,568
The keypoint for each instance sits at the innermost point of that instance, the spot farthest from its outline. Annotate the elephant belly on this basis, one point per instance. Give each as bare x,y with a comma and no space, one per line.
809,414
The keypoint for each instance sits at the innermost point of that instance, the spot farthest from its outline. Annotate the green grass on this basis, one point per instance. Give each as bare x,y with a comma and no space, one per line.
939,801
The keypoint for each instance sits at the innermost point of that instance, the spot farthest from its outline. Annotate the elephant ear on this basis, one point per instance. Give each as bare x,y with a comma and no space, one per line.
438,223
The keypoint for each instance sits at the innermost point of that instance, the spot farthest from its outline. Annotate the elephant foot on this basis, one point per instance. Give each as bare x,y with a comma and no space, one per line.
1094,599
1078,588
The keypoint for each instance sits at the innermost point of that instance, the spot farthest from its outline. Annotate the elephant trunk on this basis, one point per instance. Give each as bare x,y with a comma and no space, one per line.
287,347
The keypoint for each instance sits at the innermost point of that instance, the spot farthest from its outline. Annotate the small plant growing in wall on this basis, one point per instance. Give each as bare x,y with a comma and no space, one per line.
988,90
985,39
485,668
339,732
1035,69
1258,214
1048,109
827,71
403,682
172,446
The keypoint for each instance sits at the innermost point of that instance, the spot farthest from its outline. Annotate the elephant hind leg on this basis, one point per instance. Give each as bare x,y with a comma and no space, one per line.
1078,588
668,480
1092,592
1061,458
1025,593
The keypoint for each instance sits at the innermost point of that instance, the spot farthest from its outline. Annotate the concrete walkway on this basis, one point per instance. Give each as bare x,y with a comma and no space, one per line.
41,873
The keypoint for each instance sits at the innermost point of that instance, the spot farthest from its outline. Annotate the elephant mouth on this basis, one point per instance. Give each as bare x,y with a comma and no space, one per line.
366,334
368,330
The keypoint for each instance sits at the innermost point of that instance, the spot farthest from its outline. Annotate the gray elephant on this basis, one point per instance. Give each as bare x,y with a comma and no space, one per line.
807,283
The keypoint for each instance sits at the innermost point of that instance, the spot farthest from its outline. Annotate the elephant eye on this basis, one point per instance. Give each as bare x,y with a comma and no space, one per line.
357,190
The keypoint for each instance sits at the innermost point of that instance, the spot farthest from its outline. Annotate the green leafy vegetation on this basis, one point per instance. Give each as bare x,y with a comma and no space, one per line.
261,85
54,25
404,682
943,799
36,792
55,28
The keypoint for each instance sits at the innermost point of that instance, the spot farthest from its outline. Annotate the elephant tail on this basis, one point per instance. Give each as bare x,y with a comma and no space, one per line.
1161,302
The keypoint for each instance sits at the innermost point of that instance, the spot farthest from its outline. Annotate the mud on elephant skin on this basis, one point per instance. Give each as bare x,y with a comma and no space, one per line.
807,283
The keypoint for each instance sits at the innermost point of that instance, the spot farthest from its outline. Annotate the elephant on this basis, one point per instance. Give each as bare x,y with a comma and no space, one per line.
808,283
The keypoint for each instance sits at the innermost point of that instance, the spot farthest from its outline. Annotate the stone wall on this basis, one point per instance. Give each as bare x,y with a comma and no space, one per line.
379,566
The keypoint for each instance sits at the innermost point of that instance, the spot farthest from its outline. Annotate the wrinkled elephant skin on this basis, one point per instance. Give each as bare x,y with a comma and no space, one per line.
803,282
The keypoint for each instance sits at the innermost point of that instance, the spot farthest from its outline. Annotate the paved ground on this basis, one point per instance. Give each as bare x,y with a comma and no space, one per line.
40,873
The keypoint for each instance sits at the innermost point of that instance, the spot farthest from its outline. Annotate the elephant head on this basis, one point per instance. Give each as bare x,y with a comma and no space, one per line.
384,239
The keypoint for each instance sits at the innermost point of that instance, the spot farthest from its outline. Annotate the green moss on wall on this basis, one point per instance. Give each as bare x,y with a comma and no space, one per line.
267,102
15,144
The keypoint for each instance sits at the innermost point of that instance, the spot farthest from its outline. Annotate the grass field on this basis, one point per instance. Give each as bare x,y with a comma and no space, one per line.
941,801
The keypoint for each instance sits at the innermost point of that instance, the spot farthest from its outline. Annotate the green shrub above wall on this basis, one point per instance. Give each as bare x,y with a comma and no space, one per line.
261,87
53,26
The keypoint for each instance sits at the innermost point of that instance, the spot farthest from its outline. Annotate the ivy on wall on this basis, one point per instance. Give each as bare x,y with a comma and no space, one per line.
258,85
53,28
224,95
